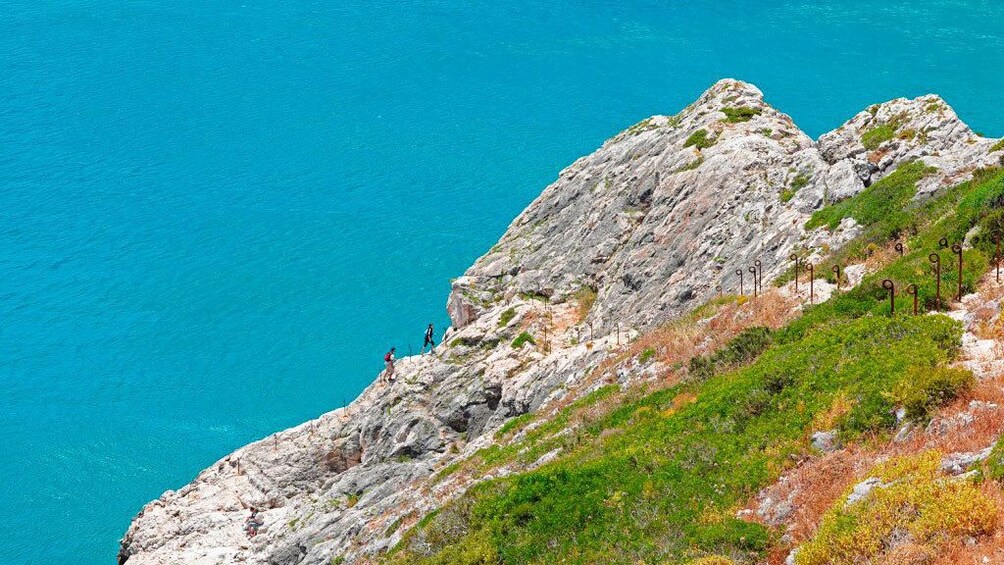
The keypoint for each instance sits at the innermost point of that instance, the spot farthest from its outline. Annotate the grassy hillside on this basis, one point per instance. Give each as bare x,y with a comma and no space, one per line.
658,474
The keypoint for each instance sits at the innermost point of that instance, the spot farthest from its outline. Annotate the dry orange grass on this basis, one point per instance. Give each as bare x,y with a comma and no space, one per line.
679,342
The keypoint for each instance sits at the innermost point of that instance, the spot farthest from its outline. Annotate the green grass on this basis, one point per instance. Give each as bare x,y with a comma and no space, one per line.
642,126
994,466
515,424
878,135
690,166
664,488
646,355
699,139
740,114
506,317
884,201
523,338
997,146
798,183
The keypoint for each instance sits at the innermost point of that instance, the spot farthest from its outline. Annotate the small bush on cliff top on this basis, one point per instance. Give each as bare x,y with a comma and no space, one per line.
522,338
740,114
699,139
876,136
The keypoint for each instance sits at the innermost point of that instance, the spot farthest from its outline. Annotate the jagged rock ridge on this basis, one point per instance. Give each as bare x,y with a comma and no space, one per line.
649,224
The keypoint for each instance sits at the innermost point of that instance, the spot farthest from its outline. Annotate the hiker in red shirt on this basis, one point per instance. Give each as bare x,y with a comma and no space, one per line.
389,361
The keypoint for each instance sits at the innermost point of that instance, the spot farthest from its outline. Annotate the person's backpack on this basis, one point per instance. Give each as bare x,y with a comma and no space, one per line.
387,357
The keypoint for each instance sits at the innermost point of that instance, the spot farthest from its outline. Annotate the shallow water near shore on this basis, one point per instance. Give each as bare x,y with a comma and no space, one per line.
216,217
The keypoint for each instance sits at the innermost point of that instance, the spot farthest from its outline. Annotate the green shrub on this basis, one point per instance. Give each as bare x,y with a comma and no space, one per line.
522,338
506,317
915,500
743,348
798,183
740,114
994,468
690,166
876,136
923,389
646,355
883,201
642,126
699,139
997,146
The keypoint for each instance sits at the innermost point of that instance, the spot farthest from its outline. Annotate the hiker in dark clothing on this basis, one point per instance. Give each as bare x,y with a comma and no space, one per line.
389,361
429,331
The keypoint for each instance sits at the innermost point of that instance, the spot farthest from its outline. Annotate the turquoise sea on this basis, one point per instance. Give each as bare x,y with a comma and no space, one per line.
216,216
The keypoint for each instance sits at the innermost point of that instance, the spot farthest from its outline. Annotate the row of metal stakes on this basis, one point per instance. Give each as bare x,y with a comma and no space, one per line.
757,271
935,259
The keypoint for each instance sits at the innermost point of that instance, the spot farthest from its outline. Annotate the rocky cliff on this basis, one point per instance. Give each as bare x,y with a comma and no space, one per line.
645,228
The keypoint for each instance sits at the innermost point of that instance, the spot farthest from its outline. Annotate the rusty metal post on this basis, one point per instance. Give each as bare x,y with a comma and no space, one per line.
836,272
900,248
742,291
590,331
912,289
943,243
794,257
618,333
812,284
936,260
891,287
718,288
759,274
752,269
957,249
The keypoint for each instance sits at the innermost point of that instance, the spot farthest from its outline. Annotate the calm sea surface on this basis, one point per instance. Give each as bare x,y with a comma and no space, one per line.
215,216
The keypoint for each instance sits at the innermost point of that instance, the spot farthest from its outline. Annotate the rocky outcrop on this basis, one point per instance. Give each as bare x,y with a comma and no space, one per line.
627,238
663,213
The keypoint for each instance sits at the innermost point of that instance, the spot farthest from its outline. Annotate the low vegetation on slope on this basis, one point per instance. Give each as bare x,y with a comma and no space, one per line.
659,475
